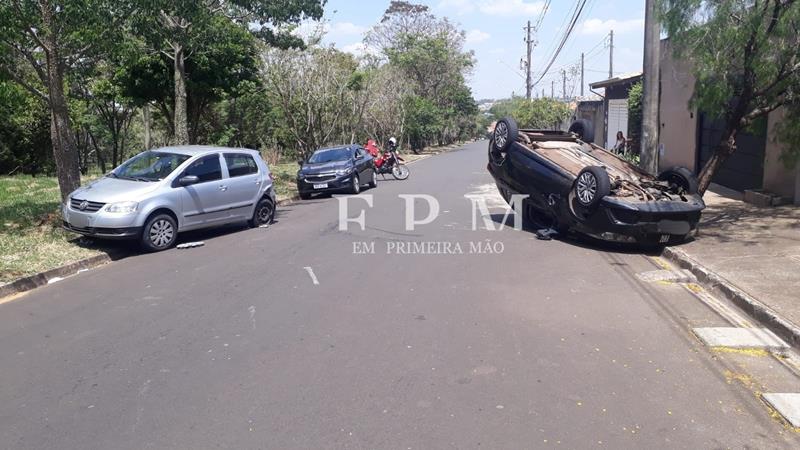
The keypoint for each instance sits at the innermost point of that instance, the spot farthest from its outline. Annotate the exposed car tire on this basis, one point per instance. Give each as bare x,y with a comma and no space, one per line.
355,185
591,185
682,177
374,182
159,233
505,134
305,195
400,171
584,129
263,214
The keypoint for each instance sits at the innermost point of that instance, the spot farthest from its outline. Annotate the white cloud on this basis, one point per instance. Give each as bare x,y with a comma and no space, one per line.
346,29
491,7
475,35
598,26
333,31
459,7
360,49
510,7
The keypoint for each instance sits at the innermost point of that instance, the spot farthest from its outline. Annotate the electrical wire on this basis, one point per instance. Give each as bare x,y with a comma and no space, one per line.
575,16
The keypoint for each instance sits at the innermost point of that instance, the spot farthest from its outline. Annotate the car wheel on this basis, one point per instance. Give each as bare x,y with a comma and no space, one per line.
583,129
263,214
374,182
682,178
400,171
505,134
159,233
591,185
355,185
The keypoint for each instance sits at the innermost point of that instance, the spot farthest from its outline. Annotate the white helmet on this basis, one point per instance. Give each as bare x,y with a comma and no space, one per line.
393,141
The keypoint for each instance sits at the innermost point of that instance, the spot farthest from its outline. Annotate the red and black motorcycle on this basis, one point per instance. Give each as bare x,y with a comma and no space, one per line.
391,162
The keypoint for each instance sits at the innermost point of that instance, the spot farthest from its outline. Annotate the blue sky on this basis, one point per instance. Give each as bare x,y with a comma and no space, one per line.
495,32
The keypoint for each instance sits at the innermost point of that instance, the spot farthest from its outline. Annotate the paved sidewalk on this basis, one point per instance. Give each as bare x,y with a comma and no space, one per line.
755,249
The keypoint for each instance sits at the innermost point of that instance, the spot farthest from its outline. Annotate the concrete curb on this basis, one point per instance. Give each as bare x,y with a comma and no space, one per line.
42,278
754,308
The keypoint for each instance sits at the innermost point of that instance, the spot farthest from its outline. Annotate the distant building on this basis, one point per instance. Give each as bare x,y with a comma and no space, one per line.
615,105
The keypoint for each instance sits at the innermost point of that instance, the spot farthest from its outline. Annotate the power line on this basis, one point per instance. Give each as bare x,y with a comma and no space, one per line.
575,17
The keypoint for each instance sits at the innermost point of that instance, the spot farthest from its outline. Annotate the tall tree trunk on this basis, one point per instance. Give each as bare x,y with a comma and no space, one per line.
722,151
146,117
65,152
181,114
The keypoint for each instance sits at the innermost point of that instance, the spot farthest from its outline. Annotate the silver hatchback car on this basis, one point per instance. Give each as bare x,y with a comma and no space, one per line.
159,193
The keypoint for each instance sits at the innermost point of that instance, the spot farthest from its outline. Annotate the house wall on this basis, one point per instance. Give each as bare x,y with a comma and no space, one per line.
777,178
595,112
614,92
678,133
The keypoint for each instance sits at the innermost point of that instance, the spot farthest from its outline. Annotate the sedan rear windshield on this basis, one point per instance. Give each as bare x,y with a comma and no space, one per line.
330,155
149,166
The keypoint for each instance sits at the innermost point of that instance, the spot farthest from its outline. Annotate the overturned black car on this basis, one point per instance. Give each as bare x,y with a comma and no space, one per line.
575,185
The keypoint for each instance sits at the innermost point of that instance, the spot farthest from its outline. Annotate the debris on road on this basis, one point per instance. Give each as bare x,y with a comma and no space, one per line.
190,245
546,234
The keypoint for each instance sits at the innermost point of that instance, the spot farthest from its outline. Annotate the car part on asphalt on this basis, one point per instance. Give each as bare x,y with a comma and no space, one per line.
190,245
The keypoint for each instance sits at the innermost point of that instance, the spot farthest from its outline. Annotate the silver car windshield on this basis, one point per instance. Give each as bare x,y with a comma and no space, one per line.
149,166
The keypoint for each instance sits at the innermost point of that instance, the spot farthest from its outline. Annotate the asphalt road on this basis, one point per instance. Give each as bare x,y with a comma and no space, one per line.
233,345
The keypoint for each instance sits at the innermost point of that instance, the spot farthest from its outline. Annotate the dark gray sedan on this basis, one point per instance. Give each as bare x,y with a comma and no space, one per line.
336,169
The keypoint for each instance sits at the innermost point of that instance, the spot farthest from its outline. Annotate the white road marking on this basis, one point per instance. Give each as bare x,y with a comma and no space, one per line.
787,404
734,337
311,274
252,311
54,280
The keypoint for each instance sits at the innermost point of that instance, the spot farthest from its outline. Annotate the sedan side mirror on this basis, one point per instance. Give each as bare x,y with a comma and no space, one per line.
300,162
188,180
359,157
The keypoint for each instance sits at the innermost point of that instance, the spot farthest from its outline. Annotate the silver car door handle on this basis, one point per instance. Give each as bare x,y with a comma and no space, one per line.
258,181
223,188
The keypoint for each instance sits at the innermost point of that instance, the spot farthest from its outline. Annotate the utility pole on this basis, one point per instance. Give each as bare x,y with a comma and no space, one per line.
611,54
530,43
564,84
652,43
552,88
581,75
543,97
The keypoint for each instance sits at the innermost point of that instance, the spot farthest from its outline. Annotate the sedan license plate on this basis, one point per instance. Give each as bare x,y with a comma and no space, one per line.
321,186
664,239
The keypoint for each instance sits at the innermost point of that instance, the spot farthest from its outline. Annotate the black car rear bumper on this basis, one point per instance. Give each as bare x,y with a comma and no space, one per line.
645,222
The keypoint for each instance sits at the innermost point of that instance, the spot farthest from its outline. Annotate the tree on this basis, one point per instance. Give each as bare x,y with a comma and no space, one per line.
635,115
39,42
746,61
178,29
540,113
312,88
